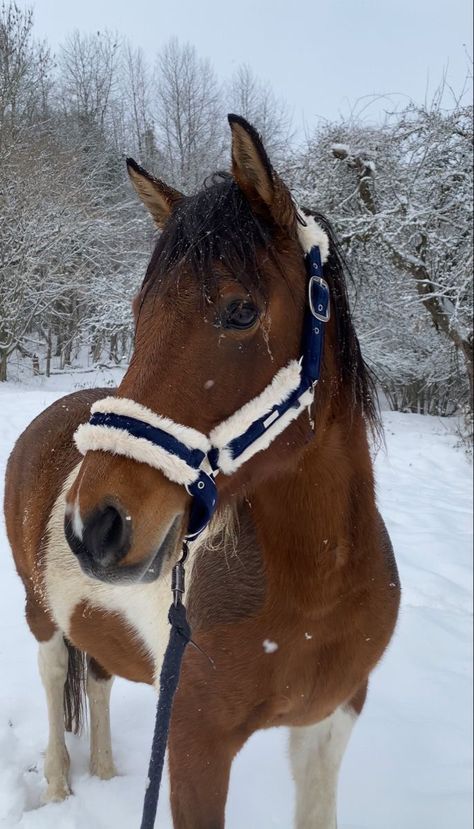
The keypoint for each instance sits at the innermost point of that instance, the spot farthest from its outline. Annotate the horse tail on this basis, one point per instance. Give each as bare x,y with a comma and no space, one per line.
74,689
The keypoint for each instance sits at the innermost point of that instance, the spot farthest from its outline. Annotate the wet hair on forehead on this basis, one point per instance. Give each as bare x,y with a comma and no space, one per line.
211,232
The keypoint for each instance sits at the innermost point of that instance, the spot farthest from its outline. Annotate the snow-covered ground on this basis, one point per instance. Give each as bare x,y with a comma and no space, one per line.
408,765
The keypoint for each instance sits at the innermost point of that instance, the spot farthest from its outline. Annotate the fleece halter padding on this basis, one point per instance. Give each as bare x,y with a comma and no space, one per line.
192,459
127,428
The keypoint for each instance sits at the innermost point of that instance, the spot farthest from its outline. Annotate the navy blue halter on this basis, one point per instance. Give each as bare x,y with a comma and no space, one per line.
206,464
316,314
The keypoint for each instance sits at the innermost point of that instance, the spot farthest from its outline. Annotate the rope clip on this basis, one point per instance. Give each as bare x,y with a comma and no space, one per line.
178,577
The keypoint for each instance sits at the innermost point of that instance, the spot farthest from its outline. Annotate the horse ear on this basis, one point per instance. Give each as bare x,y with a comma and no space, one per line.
157,197
255,175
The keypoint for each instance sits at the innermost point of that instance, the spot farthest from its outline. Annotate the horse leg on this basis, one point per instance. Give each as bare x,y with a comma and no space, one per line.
316,752
99,686
53,668
199,762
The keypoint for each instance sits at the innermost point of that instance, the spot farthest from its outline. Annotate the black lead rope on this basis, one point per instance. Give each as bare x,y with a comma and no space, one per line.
180,635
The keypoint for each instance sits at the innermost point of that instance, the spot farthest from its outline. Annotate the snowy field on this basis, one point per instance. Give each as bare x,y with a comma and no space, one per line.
408,765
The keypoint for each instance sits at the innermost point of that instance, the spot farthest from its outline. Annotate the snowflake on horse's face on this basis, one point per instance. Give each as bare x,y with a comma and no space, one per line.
228,349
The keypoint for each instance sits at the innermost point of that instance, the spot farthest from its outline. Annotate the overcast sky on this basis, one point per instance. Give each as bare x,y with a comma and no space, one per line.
322,57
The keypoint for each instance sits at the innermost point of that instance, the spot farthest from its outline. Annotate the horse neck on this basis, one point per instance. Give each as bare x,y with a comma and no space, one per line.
309,521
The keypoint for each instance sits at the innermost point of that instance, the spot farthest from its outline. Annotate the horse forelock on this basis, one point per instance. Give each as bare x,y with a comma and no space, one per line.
211,232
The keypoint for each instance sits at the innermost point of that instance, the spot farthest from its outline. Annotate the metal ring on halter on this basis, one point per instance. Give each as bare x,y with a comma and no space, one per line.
319,281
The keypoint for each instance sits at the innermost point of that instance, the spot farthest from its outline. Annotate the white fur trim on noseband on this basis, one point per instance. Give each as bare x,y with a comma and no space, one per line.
93,438
90,437
311,234
285,381
283,384
129,408
228,464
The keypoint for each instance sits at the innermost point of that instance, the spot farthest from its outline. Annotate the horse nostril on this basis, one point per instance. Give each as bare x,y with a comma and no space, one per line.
107,535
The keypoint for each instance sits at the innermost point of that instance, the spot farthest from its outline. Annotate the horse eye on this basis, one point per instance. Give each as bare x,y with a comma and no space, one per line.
240,314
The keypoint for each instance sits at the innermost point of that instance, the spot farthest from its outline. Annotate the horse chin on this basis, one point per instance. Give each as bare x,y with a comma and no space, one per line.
145,571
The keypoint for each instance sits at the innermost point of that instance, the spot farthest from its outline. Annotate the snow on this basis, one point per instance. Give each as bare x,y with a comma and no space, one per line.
341,148
408,765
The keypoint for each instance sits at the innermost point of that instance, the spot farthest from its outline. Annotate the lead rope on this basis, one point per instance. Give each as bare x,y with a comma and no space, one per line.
180,635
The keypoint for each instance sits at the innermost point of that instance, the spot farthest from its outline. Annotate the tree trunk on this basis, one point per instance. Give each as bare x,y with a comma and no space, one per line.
3,366
96,350
113,348
48,353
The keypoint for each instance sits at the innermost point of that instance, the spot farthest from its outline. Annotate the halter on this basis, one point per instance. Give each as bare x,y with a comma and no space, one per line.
192,459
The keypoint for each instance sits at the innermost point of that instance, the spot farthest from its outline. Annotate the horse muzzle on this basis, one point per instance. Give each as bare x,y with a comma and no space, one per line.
103,540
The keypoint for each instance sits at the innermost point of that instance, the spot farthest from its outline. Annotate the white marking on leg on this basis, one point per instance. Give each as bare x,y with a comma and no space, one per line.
316,752
53,664
98,692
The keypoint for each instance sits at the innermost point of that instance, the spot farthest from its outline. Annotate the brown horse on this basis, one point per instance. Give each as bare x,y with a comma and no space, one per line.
293,592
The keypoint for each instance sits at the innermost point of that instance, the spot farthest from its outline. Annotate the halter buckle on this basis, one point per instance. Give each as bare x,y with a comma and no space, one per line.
317,314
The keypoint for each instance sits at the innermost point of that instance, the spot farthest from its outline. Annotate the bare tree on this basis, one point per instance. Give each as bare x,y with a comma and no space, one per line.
88,68
24,70
188,116
136,92
255,100
133,108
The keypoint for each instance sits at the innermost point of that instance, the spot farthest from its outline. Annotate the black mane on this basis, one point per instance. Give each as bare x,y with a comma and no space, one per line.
217,226
214,226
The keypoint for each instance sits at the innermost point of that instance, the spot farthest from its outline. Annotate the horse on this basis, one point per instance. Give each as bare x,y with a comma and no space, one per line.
293,590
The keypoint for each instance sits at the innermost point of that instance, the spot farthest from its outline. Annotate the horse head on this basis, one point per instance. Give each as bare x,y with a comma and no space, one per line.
219,324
